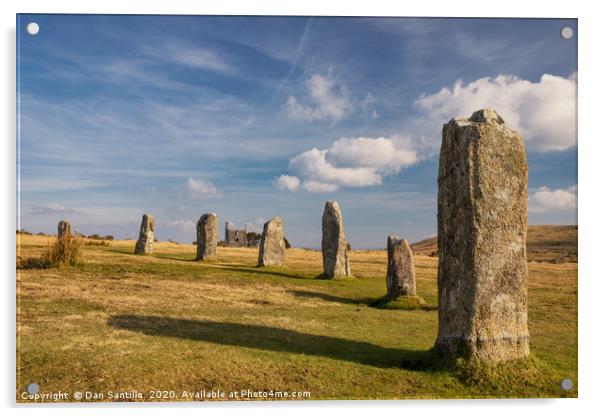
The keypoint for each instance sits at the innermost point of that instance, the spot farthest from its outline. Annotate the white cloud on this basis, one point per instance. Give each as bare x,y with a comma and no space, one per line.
314,186
546,199
330,101
287,183
382,154
312,165
351,162
200,188
543,112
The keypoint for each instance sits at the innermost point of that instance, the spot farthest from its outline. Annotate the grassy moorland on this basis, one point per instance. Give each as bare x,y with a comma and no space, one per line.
545,243
121,322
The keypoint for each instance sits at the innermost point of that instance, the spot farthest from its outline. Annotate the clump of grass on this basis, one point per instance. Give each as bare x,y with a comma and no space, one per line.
513,376
63,252
402,303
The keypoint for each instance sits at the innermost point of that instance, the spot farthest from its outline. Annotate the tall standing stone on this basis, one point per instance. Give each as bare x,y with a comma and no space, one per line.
335,257
64,229
401,277
271,247
144,245
482,230
206,236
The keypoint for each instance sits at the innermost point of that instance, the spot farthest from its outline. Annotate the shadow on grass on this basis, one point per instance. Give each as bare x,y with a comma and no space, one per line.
261,271
190,259
122,251
323,276
327,297
32,263
408,303
278,339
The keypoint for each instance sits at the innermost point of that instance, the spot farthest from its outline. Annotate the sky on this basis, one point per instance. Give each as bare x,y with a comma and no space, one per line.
253,117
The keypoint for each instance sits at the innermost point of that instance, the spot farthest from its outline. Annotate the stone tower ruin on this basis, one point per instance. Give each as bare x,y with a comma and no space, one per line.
235,237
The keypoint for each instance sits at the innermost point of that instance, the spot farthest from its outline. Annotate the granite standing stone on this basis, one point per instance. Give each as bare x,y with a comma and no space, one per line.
271,247
206,235
144,245
401,277
335,257
64,229
482,231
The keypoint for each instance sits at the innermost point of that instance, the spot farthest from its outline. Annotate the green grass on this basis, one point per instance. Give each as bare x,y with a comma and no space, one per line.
123,322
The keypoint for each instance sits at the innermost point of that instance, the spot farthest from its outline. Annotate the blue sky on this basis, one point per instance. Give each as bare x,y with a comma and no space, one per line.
252,117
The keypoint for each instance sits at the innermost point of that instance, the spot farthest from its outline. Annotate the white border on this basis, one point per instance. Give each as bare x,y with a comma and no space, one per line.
589,189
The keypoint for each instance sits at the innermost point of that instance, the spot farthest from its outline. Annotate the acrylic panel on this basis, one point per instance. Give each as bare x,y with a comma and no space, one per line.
295,208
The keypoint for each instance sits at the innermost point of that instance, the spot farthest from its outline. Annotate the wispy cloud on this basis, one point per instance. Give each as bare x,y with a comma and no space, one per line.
38,183
154,65
49,209
178,52
249,121
480,49
88,130
329,101
182,225
295,61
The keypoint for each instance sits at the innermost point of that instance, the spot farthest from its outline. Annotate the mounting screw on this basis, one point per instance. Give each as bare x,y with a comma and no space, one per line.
566,32
33,28
32,388
566,384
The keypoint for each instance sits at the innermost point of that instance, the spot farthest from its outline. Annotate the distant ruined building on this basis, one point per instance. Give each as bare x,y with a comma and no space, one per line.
235,238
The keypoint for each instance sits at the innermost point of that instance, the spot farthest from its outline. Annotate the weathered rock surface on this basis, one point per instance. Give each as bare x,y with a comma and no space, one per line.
271,247
401,277
206,235
335,257
482,230
64,229
144,245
